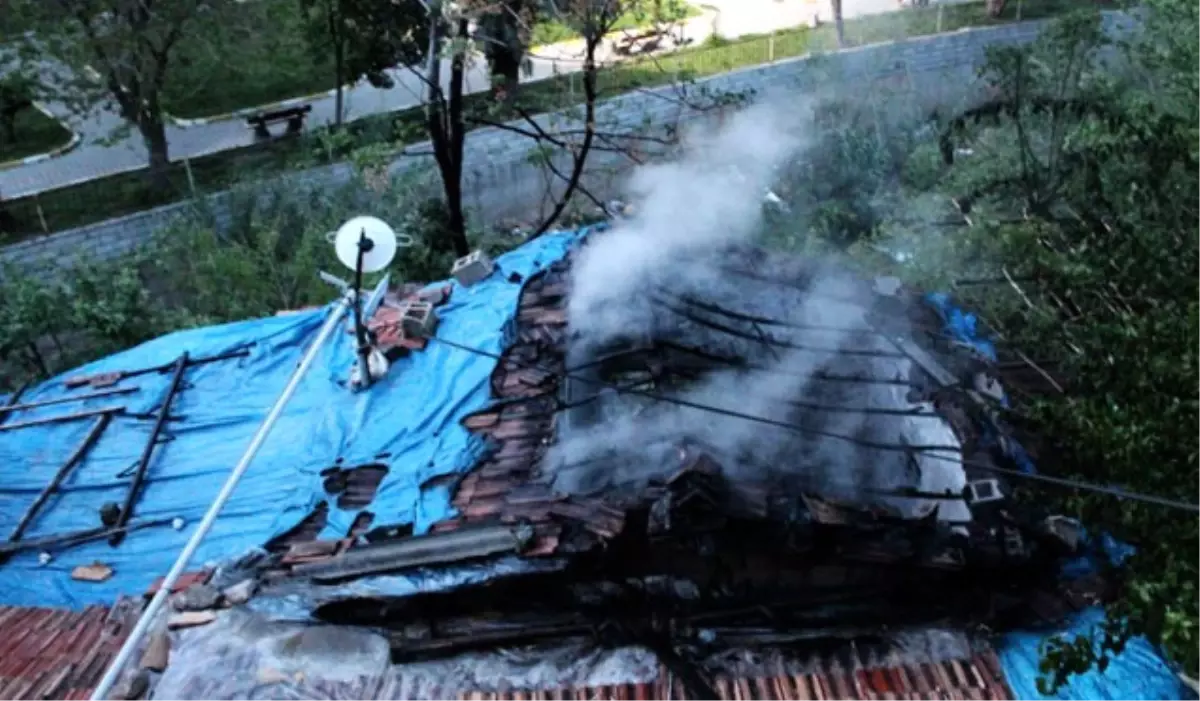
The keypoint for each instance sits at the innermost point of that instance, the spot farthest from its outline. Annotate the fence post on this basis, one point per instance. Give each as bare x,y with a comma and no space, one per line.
941,12
37,204
771,49
187,167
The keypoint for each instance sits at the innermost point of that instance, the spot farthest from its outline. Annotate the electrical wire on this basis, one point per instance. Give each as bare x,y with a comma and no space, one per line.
987,467
739,364
770,341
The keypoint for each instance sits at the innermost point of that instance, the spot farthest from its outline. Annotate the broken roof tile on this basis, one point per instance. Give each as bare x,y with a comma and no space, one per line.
185,581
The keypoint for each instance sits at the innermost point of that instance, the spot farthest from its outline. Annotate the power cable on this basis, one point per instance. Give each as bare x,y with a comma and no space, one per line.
987,467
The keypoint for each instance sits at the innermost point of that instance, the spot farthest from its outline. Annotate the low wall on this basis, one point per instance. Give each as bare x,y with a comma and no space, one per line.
502,181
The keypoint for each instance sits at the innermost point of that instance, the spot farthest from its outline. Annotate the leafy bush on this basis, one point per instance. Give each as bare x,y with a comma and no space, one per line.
265,258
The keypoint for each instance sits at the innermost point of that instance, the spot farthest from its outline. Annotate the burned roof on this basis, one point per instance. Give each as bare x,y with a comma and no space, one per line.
692,544
512,504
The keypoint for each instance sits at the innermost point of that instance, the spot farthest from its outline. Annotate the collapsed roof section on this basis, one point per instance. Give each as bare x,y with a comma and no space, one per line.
715,560
638,507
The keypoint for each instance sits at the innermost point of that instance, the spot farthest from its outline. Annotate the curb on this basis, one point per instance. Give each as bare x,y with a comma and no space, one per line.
295,101
247,111
74,141
236,114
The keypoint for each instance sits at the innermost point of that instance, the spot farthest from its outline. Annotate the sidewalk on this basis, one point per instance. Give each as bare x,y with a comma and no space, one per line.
96,158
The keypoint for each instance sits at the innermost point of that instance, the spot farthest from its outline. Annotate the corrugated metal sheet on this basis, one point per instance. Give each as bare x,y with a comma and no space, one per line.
48,653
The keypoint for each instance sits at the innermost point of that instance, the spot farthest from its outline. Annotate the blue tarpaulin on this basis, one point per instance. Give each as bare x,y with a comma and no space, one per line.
409,421
1139,672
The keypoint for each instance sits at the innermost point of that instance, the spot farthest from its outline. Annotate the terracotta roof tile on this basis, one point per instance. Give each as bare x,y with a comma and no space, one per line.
59,653
519,427
185,581
951,679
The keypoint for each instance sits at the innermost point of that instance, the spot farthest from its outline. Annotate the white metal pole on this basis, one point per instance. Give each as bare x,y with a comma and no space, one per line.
185,556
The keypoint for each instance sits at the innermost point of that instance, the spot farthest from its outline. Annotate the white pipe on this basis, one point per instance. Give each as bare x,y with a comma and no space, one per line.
185,556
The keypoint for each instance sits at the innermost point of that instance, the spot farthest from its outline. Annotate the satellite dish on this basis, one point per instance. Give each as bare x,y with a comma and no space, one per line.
379,253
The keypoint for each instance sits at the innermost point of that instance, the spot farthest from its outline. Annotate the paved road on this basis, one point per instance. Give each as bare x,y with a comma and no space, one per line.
99,155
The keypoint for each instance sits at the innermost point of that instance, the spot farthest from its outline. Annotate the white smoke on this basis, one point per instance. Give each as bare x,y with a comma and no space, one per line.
690,216
706,200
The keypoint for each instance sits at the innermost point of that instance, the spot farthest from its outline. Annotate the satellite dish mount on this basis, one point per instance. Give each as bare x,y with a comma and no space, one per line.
366,245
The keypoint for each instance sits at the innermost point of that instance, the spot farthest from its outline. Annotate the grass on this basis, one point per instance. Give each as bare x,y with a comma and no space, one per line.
35,134
118,195
220,71
553,32
223,66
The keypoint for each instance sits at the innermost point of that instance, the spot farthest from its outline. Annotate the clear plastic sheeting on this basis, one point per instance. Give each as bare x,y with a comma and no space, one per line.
295,600
409,421
242,655
1138,672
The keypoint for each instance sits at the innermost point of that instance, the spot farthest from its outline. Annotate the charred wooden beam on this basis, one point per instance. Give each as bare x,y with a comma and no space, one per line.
12,401
63,418
80,452
110,378
65,540
143,465
13,407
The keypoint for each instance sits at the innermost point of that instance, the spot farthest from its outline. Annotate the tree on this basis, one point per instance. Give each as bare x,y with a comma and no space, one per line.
839,22
1081,191
366,38
128,48
504,30
17,90
447,121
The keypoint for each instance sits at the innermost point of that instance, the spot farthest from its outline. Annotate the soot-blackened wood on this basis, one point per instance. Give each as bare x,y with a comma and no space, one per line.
12,401
76,457
62,418
13,407
139,474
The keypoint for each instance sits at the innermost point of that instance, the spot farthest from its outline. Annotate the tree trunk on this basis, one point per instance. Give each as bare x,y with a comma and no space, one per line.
995,7
506,71
154,134
580,155
339,95
838,23
457,137
444,122
339,61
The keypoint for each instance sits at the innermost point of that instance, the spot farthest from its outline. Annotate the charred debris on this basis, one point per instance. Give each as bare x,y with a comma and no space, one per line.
696,552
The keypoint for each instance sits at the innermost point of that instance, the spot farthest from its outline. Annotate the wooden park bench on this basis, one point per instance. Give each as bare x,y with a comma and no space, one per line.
294,116
640,42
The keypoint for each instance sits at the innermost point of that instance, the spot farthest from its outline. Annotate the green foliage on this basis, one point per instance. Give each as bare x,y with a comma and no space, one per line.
366,38
118,52
245,54
266,259
104,198
637,14
1096,176
50,325
1079,177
